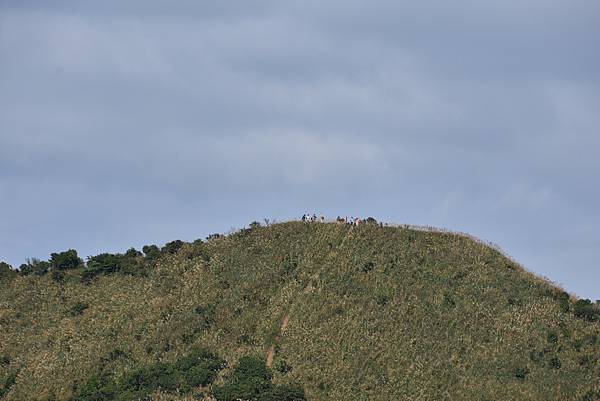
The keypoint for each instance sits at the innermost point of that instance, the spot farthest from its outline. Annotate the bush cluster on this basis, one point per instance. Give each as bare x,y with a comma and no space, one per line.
65,260
8,383
34,266
585,309
151,252
107,263
58,261
131,262
172,247
251,381
199,368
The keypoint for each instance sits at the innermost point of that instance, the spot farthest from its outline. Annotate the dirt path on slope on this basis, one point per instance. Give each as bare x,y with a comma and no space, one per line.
271,352
284,323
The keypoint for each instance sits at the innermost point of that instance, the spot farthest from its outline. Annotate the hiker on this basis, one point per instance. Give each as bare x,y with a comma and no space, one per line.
303,218
322,219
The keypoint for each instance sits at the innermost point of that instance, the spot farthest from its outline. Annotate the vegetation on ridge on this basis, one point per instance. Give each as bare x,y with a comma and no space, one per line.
375,313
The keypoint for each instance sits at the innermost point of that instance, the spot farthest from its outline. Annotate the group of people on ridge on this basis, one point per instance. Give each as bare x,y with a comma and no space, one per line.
352,221
307,218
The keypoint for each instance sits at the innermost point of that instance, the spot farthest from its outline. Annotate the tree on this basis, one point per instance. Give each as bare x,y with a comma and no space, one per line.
34,266
104,263
65,260
172,247
151,252
133,253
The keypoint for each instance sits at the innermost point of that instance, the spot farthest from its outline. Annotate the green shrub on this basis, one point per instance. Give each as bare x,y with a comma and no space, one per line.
245,339
585,309
78,308
104,263
555,363
8,383
172,247
514,302
199,368
151,252
368,266
250,378
449,300
34,266
133,253
521,372
58,276
382,299
4,360
552,337
199,250
108,263
283,367
96,388
115,354
147,379
65,260
283,393
289,264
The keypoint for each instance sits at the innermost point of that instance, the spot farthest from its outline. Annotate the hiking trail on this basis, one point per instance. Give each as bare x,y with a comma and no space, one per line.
284,323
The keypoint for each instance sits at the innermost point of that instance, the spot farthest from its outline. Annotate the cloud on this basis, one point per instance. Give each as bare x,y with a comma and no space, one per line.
123,123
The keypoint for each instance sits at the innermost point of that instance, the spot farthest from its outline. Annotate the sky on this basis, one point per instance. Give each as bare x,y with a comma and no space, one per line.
124,123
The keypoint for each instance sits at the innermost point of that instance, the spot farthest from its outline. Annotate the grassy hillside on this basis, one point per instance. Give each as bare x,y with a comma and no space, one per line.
371,313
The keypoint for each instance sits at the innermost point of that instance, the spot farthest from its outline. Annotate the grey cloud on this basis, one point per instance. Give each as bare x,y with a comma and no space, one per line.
123,123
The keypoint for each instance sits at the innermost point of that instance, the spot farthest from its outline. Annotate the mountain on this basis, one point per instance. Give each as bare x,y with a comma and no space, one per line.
337,312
